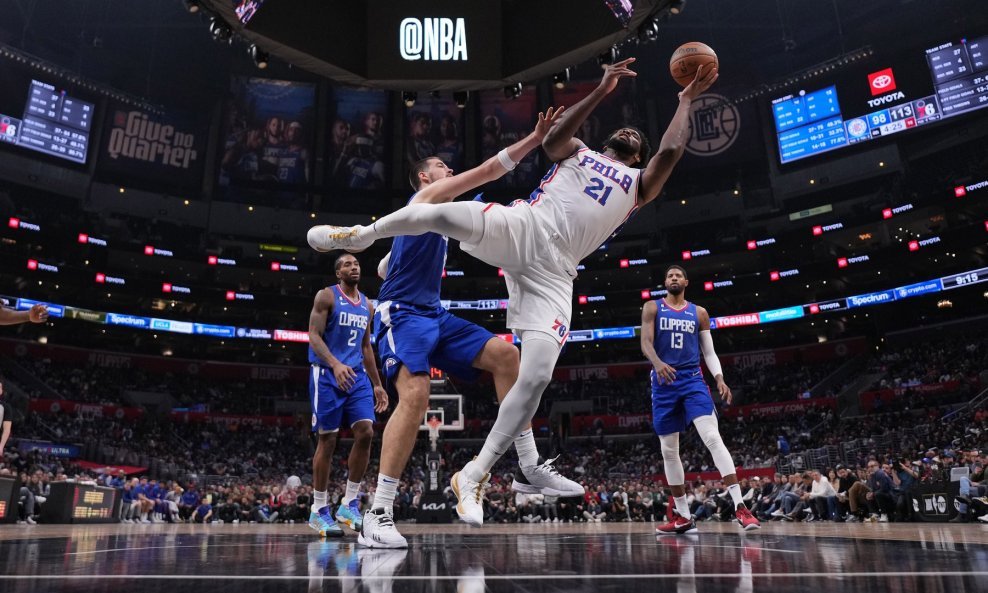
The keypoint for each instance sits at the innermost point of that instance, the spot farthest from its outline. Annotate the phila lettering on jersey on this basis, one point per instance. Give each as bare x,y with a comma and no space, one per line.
586,198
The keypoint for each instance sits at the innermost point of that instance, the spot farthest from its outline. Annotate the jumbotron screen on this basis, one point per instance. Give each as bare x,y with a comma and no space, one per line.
889,97
52,122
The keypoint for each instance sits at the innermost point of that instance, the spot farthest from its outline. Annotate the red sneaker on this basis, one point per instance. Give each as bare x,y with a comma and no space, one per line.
679,525
746,519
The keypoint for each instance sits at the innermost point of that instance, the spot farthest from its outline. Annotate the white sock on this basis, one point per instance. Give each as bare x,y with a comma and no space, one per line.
528,453
352,490
384,497
478,469
319,500
735,491
681,507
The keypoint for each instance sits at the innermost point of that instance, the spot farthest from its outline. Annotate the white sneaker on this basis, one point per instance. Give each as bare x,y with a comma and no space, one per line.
778,513
30,520
470,495
379,531
983,518
381,566
326,237
883,518
545,479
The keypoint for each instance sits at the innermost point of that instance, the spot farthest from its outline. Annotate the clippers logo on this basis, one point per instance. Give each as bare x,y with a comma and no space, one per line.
881,82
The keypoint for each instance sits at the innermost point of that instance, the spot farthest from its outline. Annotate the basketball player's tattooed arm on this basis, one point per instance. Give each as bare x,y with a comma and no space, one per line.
322,308
560,143
36,314
449,188
710,356
673,142
370,367
665,372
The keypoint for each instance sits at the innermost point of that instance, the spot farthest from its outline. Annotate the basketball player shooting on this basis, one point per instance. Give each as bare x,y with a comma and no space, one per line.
582,201
344,389
675,333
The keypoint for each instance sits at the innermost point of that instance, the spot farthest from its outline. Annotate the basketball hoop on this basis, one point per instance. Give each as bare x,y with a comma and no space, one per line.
434,424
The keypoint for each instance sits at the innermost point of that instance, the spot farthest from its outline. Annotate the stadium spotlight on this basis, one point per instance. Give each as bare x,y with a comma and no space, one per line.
460,98
220,30
560,79
608,57
409,97
192,6
677,6
649,31
259,56
513,91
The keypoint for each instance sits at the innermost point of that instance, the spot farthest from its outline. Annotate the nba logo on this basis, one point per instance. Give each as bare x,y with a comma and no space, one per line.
881,82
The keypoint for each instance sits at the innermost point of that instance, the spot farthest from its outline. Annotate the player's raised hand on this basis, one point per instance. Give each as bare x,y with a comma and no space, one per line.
725,391
615,72
380,400
38,313
665,373
705,78
345,376
547,120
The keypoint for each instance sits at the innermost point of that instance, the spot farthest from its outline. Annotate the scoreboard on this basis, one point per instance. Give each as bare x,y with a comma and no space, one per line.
52,122
883,99
76,503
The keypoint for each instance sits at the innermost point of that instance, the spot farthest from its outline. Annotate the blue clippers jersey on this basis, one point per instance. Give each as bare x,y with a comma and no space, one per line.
345,329
677,336
415,271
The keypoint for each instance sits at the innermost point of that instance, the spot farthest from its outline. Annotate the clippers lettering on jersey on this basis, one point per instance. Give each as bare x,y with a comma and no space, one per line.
677,325
347,319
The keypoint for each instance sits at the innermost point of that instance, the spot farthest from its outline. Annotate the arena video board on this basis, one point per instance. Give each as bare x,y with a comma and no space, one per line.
883,97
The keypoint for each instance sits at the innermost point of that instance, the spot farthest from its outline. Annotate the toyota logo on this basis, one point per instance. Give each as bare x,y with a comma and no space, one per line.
880,82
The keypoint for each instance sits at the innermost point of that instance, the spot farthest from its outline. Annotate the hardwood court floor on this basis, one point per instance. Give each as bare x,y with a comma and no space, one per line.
618,557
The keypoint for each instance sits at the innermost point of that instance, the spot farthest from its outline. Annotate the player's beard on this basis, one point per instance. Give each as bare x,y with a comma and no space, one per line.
676,291
621,147
349,281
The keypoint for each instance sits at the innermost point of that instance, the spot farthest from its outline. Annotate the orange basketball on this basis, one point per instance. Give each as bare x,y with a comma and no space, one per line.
687,58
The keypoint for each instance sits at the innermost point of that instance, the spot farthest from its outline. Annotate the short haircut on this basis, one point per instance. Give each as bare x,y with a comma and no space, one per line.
676,267
418,167
644,148
339,260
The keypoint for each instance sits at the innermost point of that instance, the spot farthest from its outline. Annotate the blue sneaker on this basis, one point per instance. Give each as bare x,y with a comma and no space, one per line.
323,523
350,516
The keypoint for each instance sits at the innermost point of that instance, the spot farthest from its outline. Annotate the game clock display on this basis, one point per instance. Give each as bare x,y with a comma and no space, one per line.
80,503
893,99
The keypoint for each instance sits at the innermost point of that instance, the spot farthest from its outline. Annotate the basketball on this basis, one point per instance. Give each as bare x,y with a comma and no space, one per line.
687,58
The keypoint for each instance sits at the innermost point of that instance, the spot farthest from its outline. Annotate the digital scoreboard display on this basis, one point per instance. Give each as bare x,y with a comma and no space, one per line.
53,122
883,99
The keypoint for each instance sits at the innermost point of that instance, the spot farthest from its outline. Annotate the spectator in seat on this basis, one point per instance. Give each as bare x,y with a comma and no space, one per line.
823,497
845,480
204,513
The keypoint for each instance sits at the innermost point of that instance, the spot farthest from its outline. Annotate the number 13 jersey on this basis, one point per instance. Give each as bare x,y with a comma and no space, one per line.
677,336
586,197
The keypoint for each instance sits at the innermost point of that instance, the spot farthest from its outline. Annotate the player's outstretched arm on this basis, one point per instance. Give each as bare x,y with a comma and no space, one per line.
665,372
370,366
559,143
446,190
710,356
674,140
36,314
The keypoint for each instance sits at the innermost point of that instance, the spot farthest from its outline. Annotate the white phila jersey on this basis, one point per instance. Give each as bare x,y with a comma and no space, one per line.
587,197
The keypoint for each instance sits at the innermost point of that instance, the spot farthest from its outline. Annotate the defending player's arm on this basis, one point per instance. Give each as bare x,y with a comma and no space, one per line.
674,140
710,356
36,314
446,190
382,269
665,372
559,143
322,308
380,395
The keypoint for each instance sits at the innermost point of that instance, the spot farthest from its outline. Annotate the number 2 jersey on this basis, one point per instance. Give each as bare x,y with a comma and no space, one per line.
345,328
677,337
587,197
